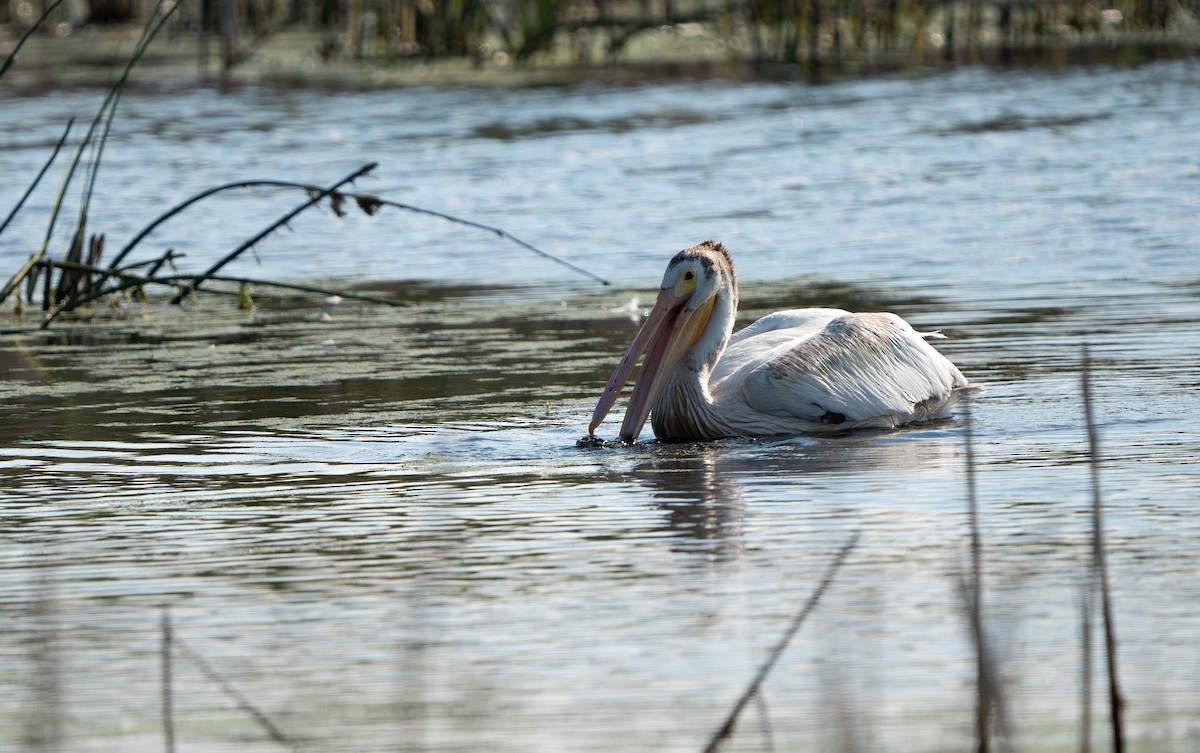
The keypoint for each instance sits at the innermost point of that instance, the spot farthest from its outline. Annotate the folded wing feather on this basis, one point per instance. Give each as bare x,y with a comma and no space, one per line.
823,362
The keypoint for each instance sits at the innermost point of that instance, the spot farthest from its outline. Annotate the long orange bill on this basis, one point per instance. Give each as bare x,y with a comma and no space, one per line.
663,307
667,334
676,335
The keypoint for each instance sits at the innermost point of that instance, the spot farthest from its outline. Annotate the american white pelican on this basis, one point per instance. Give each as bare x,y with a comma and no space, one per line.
791,372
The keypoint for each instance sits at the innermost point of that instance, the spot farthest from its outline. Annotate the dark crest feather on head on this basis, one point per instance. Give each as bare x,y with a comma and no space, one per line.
707,252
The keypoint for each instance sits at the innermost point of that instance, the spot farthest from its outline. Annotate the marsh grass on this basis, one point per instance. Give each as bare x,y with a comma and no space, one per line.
95,140
80,278
16,50
83,282
810,33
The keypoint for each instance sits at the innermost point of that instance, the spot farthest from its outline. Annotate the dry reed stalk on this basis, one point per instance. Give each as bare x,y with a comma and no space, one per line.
45,721
366,202
987,685
755,686
25,197
168,711
764,724
1087,592
12,55
226,687
973,593
1100,560
163,10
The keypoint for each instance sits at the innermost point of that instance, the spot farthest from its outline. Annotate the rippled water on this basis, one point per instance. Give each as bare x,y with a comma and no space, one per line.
376,525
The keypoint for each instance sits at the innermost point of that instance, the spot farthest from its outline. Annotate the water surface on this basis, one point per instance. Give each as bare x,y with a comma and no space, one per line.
375,522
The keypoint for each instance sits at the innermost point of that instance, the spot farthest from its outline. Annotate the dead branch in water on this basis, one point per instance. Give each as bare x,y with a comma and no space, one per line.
82,283
726,729
199,280
367,202
114,278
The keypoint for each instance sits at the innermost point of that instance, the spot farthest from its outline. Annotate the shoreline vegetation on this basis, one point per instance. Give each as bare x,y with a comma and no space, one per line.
366,44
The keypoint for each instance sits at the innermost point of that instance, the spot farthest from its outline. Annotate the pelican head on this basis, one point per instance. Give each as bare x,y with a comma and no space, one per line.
695,280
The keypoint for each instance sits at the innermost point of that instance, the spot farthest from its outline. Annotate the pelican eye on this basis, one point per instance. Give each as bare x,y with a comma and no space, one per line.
686,283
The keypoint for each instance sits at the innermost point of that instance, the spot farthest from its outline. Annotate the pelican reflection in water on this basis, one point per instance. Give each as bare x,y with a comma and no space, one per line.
791,372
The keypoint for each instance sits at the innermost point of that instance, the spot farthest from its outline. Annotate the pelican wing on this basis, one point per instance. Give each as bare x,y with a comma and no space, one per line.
787,325
837,367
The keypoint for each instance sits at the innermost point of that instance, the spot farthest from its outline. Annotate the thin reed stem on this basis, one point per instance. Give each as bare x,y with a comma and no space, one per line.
149,32
499,232
726,729
1087,593
25,197
990,717
973,505
44,720
12,56
764,724
1099,558
15,280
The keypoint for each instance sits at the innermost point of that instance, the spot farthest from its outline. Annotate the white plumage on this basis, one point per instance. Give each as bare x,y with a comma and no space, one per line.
791,372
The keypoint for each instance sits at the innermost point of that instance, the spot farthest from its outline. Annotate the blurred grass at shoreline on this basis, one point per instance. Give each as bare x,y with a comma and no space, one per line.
352,53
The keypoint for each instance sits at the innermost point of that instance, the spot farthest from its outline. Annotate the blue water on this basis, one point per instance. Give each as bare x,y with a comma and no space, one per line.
376,525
